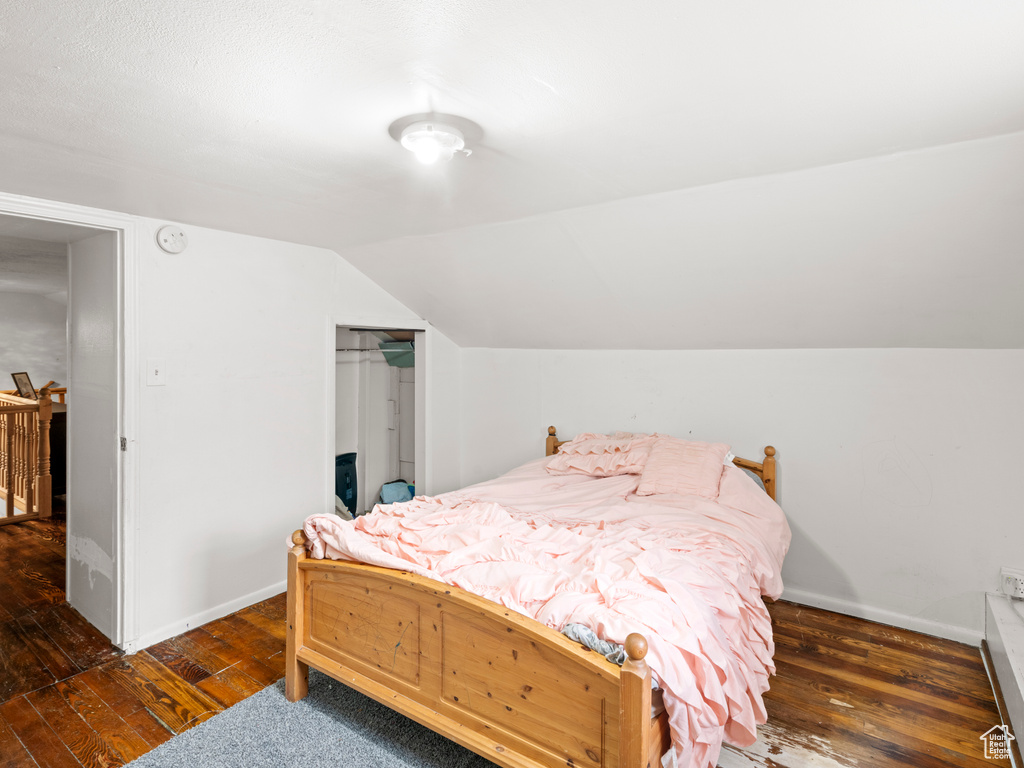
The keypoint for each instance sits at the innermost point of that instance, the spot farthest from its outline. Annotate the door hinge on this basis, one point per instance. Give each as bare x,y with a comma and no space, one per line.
124,443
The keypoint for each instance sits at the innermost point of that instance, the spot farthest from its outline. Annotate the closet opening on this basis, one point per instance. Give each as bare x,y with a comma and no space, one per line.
375,417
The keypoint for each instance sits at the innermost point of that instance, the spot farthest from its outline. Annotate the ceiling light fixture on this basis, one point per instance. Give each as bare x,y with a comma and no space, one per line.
432,136
431,141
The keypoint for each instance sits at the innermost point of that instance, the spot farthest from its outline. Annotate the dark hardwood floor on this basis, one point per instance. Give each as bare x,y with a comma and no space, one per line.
866,694
69,698
847,693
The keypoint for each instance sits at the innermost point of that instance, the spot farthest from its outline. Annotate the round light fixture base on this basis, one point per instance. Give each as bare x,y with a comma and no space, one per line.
432,137
431,141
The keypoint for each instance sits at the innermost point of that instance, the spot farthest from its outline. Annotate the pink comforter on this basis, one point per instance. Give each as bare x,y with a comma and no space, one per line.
685,572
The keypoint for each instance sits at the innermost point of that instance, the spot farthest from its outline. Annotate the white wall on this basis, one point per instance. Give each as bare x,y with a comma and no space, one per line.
895,465
237,448
33,338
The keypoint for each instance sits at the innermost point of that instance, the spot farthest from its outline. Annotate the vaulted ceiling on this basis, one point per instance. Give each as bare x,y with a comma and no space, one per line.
613,177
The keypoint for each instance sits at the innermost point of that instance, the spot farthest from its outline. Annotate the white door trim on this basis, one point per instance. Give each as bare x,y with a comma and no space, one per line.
125,519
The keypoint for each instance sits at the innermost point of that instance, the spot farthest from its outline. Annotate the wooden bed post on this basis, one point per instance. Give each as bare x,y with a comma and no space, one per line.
296,673
552,442
635,705
768,478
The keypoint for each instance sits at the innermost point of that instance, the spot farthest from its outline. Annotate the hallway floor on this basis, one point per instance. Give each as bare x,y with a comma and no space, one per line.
70,698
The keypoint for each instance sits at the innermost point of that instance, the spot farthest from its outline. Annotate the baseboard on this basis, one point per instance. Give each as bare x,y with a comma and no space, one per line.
203,617
882,616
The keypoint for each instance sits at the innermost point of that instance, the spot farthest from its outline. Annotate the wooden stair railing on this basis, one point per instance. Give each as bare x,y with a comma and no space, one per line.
25,479
60,392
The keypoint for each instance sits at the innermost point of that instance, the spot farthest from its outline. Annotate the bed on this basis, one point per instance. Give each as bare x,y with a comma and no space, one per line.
391,620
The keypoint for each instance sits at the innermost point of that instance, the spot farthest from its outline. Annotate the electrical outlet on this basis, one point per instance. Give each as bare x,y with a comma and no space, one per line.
1011,582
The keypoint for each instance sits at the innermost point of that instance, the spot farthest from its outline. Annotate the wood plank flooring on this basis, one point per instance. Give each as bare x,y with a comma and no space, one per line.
847,693
69,698
866,694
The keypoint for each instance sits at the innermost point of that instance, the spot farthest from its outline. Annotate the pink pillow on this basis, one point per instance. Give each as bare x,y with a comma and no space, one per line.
591,442
683,467
602,455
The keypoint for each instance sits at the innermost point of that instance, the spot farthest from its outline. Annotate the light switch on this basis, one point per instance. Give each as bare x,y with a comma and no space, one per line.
156,376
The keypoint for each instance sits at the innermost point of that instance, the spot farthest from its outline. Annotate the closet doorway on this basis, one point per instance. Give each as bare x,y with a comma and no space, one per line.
375,413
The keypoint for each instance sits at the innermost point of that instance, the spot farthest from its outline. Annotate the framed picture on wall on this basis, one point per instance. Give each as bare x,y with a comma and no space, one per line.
24,385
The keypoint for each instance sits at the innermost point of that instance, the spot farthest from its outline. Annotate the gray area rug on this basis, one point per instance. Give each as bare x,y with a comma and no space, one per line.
336,726
333,726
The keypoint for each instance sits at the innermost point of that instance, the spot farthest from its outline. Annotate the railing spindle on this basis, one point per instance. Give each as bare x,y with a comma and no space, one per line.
30,461
9,479
44,480
25,471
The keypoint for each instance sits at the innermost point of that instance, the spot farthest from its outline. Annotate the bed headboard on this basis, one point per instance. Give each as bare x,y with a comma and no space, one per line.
764,469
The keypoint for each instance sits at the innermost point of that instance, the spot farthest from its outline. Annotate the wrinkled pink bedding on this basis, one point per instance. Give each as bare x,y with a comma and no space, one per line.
685,572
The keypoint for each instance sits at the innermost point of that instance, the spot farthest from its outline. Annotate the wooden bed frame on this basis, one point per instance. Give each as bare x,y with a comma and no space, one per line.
499,683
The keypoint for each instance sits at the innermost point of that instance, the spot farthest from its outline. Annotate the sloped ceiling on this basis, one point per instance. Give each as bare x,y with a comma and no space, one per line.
917,250
602,122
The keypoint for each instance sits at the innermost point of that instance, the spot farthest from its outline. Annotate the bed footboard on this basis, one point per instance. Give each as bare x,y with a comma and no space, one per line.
499,683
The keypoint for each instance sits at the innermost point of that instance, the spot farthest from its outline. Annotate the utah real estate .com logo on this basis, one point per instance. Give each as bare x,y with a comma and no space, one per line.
997,742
